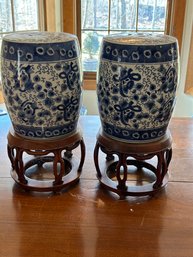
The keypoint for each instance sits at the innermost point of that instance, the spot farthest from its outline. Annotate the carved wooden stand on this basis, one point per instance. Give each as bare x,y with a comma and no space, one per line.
64,169
114,175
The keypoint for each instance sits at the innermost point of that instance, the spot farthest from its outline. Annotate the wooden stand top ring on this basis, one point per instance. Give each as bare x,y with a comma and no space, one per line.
134,148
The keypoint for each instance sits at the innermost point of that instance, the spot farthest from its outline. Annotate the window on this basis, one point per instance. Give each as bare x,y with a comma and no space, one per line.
173,25
103,17
19,15
78,18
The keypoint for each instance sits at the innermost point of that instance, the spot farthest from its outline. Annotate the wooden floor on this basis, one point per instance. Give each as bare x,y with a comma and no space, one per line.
87,221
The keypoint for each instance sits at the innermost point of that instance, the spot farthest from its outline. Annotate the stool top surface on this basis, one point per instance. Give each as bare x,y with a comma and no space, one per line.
140,39
39,37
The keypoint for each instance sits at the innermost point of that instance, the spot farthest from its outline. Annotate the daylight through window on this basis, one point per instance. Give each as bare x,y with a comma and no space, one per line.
103,17
18,15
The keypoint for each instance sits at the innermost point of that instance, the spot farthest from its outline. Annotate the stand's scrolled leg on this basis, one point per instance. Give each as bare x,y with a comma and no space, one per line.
164,168
68,154
96,161
110,157
19,167
168,156
122,163
158,171
58,164
83,153
40,162
166,162
11,156
164,158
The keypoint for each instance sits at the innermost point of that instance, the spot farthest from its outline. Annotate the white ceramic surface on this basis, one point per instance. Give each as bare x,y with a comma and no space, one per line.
42,80
136,85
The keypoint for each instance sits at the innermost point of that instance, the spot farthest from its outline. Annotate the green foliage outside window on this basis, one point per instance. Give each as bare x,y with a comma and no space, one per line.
91,44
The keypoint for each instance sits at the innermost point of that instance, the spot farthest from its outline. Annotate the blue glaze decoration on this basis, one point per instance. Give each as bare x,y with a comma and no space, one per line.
139,54
39,52
136,86
42,83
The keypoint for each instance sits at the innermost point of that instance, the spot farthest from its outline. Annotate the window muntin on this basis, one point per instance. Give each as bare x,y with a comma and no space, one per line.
103,17
18,15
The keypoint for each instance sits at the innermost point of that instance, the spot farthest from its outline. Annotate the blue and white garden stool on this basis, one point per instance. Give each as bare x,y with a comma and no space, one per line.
42,86
136,89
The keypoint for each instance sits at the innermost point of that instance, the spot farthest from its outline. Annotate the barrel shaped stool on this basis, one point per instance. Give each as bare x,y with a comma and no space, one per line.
136,88
42,87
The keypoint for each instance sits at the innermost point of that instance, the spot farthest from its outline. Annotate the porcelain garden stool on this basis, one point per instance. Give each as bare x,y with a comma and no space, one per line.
136,89
42,86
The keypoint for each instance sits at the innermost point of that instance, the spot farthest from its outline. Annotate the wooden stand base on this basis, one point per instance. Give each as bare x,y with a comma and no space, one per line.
51,166
147,177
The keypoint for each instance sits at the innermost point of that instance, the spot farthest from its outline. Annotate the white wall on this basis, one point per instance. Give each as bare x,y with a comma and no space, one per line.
184,104
90,101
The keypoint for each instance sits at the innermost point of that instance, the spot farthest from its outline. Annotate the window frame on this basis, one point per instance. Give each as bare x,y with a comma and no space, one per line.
41,20
53,13
71,18
189,78
174,26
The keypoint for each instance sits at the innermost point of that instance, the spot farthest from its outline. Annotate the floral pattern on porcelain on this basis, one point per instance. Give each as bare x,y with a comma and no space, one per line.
136,89
42,83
